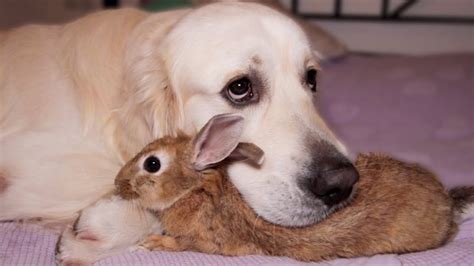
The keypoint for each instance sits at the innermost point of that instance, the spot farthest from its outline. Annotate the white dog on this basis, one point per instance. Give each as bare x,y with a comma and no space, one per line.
79,100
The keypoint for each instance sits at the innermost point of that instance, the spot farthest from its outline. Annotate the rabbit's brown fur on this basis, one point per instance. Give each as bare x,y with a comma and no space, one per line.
398,207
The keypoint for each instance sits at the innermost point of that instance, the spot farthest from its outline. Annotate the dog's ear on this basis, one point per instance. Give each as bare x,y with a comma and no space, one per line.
153,93
152,108
216,140
247,151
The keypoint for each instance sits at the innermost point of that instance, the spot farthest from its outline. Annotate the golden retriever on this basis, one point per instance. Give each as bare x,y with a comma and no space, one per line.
80,99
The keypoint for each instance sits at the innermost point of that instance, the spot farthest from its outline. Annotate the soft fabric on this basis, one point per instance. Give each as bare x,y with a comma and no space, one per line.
416,108
326,45
32,245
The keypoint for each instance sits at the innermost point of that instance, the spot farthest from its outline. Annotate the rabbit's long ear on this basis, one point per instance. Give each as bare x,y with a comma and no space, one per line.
217,139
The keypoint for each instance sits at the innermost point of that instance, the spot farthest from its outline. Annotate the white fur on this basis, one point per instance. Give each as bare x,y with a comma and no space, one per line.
79,100
114,223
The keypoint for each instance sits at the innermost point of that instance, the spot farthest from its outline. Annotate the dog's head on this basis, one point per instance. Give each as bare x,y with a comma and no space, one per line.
249,59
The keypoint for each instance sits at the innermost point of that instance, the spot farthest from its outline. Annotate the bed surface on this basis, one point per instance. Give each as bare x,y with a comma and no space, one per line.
415,108
418,109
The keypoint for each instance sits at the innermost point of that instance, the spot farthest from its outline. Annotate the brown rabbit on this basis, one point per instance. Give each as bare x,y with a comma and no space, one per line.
396,207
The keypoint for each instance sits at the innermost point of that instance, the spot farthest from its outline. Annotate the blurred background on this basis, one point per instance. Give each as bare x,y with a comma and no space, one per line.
363,35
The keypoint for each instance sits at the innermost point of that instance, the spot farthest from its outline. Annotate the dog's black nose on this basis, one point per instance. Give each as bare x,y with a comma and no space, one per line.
334,183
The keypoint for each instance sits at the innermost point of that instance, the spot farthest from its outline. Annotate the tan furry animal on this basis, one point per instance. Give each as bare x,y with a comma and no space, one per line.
398,207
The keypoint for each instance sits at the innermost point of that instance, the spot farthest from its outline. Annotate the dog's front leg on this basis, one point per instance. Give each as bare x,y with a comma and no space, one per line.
109,226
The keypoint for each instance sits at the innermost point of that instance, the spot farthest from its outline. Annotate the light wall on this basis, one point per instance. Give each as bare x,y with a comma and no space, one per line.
18,12
405,38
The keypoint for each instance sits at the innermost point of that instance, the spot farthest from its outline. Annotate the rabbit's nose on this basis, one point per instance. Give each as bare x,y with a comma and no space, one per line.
124,189
334,183
140,181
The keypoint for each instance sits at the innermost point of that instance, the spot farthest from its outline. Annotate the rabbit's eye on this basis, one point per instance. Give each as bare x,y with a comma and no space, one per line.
152,164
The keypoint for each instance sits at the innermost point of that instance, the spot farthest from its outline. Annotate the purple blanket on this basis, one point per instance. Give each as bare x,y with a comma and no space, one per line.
416,108
32,245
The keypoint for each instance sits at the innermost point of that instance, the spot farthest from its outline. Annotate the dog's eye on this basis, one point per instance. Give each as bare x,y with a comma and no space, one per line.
152,164
311,79
240,91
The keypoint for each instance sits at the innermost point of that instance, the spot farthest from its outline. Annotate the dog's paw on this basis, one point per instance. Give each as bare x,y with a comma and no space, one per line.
76,249
160,242
109,226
